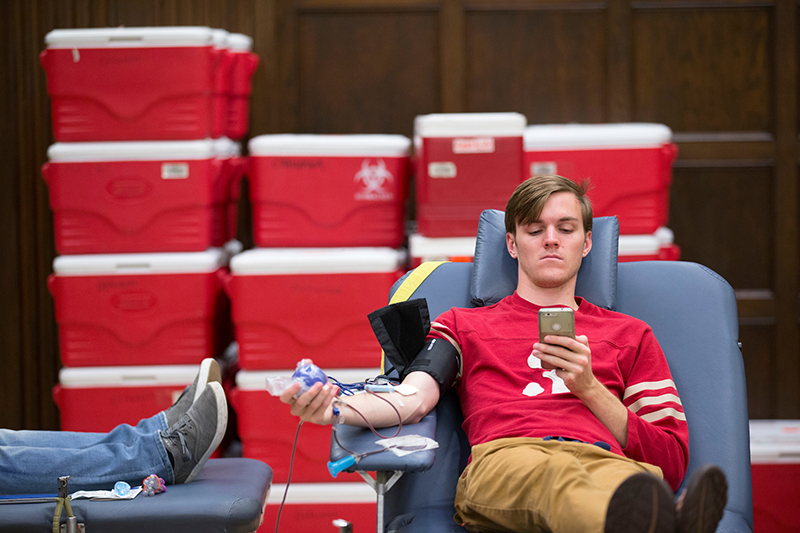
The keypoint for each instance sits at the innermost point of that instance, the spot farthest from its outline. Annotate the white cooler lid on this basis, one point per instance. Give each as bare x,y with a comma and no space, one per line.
166,36
219,38
775,441
469,124
256,379
421,246
586,136
127,376
638,245
239,42
150,263
316,260
133,151
225,147
304,493
358,145
665,236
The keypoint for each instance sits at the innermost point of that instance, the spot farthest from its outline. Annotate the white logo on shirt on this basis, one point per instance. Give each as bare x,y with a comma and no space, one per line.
534,389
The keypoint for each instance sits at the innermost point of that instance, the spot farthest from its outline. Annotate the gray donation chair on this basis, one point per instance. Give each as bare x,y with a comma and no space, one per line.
692,311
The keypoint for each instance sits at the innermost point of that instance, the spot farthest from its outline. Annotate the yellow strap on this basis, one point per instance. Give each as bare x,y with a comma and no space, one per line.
409,285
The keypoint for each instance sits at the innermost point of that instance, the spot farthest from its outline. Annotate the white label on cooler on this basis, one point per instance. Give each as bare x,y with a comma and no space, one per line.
174,171
442,169
480,145
544,167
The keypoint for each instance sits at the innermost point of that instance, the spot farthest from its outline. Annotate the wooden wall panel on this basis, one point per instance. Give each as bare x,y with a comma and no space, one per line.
366,72
760,353
548,65
721,218
722,74
718,65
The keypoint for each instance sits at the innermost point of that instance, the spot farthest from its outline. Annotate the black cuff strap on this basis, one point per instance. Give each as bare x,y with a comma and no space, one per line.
440,360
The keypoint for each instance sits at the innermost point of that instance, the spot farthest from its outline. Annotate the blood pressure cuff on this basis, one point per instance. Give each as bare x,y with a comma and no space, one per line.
439,359
401,329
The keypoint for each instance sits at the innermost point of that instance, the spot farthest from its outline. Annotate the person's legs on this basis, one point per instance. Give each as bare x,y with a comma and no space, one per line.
535,485
32,461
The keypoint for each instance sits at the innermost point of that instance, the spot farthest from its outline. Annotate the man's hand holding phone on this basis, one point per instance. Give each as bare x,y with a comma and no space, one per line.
561,350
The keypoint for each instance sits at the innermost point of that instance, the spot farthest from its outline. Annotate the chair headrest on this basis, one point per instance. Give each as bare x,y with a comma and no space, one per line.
495,273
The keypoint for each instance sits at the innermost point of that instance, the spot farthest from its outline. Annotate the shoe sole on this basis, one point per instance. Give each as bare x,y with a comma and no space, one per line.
704,501
209,373
642,504
222,424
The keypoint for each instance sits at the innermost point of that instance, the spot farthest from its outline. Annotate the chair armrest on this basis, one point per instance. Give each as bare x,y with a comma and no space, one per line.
362,440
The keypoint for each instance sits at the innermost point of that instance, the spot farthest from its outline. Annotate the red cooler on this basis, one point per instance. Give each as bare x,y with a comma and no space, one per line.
312,507
124,197
97,399
229,155
328,190
465,163
109,84
629,167
775,457
456,249
222,83
243,65
138,309
293,303
267,428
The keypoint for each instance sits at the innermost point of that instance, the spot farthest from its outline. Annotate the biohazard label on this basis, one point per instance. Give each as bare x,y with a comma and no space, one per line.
544,167
375,179
479,145
442,169
174,171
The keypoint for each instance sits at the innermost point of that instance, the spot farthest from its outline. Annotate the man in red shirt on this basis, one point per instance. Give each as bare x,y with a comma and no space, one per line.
567,434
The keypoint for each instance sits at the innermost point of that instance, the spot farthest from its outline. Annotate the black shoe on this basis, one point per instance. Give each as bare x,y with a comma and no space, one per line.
701,506
642,504
196,435
209,372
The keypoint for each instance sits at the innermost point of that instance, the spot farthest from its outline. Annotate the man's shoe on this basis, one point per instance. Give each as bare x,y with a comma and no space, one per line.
196,435
701,506
209,373
642,504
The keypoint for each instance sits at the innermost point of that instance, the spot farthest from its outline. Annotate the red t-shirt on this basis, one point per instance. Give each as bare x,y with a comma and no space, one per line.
504,391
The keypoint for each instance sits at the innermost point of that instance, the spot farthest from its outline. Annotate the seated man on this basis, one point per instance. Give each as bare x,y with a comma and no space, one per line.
567,434
173,444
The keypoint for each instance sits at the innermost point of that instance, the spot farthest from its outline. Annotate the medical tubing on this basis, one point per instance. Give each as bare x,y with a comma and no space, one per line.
371,427
289,480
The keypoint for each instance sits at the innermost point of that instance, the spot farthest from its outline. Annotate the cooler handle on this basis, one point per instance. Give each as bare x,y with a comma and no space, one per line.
51,284
46,173
57,392
252,64
669,153
227,281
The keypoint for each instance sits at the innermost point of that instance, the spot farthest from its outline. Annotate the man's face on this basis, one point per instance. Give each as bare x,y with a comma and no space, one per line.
550,249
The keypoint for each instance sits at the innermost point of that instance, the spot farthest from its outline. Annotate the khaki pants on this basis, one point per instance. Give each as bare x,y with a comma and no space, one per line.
527,484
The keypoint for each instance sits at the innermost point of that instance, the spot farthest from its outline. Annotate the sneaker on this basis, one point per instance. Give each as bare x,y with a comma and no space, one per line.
642,504
209,372
195,436
701,505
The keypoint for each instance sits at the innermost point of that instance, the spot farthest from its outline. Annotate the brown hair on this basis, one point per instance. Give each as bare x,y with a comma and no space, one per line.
527,202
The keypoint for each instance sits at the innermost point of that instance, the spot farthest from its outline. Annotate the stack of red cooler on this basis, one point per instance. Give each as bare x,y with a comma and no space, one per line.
328,224
629,167
465,163
142,184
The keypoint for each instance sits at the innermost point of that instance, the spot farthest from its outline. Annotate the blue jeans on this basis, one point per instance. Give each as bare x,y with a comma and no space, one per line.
32,461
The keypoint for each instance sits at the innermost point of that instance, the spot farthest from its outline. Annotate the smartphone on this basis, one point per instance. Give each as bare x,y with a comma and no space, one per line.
556,321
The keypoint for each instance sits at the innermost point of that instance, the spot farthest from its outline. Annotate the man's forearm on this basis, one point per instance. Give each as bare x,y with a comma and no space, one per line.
384,411
609,410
